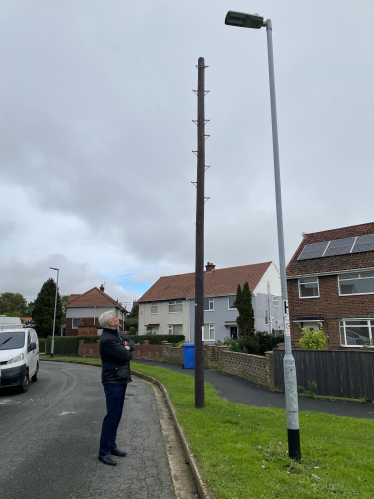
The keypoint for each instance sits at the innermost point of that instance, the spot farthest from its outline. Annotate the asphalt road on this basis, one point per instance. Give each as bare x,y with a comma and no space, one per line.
49,440
241,391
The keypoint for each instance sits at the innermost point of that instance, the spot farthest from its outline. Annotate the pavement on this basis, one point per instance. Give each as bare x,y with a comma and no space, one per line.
239,390
50,436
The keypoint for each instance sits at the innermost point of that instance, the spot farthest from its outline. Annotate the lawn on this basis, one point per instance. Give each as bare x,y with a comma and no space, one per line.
242,449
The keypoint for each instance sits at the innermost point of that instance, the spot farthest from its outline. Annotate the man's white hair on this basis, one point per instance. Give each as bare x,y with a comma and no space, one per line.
106,317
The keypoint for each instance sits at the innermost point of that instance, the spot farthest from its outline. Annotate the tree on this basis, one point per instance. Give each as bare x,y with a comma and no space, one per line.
13,304
135,310
246,318
43,311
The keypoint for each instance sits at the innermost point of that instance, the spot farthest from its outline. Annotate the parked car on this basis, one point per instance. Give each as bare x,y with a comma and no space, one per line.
19,357
354,338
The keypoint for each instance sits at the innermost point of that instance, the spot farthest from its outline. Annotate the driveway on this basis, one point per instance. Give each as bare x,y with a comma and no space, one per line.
50,435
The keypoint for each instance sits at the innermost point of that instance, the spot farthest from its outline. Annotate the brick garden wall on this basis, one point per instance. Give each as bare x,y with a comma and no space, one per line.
149,352
254,368
329,305
89,349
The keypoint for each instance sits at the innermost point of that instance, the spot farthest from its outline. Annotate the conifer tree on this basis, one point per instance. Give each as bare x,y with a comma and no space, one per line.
246,319
43,310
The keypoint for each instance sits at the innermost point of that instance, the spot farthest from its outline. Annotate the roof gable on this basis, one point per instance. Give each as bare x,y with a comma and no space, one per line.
332,263
91,298
217,282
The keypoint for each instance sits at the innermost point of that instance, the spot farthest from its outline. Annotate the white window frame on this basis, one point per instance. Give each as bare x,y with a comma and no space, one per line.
342,325
308,297
154,304
359,277
275,301
171,329
72,322
210,305
228,303
173,303
210,329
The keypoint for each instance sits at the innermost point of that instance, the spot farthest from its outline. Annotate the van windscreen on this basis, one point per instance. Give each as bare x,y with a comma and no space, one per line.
11,340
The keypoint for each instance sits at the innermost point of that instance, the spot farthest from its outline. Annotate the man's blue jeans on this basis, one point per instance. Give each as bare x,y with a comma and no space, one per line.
115,397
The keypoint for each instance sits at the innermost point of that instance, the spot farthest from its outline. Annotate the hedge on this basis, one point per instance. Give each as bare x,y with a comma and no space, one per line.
156,339
42,345
68,345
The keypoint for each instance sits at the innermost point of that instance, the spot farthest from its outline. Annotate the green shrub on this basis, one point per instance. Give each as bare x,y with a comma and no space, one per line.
68,345
156,339
268,341
265,342
314,339
131,323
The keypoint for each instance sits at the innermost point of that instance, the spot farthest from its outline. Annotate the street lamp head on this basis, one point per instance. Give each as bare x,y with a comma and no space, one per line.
242,20
53,268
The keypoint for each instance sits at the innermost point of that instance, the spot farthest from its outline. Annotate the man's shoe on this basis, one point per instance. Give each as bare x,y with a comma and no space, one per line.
107,460
117,452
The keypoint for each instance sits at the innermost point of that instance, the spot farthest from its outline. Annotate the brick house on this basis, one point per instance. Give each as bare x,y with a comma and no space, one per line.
83,311
330,281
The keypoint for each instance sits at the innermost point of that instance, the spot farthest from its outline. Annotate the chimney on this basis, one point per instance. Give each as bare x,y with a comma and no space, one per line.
102,288
209,267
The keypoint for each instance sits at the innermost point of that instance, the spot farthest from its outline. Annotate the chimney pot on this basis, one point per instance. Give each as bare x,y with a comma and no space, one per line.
102,288
210,267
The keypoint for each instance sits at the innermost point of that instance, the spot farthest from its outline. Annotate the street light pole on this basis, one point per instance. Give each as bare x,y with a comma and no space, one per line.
54,315
289,368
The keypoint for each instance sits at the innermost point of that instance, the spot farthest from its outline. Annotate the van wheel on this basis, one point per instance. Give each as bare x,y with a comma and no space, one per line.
26,383
35,377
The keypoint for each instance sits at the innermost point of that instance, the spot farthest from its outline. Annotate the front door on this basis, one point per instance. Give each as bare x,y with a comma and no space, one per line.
234,332
154,330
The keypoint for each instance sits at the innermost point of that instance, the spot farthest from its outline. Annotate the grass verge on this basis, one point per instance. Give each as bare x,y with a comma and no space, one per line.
242,449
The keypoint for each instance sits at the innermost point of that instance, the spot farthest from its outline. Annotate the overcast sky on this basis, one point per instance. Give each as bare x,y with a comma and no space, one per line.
96,134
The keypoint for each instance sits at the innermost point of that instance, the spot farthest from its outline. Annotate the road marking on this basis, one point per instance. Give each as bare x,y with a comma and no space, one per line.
63,413
9,402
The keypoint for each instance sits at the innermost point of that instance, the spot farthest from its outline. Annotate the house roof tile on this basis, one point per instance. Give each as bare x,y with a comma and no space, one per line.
91,298
332,263
217,282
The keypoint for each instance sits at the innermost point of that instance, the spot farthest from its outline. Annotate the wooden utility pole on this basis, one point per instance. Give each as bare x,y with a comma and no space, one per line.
199,259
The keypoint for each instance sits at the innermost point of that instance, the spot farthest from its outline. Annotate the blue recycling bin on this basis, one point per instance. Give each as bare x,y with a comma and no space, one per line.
188,355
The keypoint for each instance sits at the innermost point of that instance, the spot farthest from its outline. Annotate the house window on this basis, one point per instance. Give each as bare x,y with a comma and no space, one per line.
356,284
232,302
208,304
175,328
154,308
355,332
76,323
275,301
208,332
175,306
308,287
266,319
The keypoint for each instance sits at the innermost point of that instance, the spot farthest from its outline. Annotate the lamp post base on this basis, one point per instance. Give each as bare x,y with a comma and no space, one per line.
294,451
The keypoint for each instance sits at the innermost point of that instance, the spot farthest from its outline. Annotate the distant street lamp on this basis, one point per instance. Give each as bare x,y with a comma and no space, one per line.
54,315
255,21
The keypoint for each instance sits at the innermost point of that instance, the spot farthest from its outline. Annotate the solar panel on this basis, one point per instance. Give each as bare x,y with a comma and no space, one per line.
315,250
364,243
340,246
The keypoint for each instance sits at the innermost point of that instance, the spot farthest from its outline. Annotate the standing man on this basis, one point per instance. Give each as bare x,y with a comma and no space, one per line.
116,354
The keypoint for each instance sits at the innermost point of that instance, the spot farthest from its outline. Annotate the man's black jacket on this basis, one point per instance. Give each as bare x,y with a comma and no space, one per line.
115,357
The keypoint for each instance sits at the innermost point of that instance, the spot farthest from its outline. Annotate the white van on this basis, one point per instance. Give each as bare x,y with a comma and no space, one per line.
19,357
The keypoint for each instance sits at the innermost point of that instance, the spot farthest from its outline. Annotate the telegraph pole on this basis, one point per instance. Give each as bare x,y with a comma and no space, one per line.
199,258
